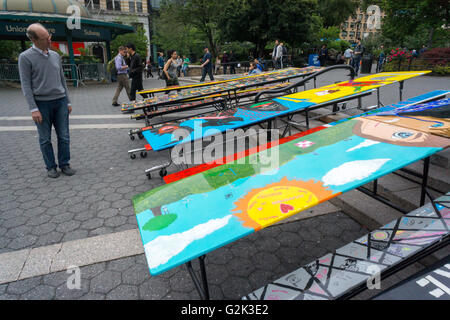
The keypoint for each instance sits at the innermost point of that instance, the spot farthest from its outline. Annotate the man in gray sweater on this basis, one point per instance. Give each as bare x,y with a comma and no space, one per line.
45,89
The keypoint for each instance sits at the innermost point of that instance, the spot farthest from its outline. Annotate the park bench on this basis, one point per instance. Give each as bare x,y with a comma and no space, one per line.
356,266
161,137
177,223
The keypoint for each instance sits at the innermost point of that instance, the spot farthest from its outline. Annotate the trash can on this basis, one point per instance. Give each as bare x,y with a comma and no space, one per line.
366,66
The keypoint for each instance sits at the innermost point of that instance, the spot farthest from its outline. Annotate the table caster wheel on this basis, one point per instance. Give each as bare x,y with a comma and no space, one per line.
131,137
143,154
133,156
140,135
149,176
163,173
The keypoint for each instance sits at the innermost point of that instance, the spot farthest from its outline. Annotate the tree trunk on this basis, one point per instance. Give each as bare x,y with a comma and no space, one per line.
430,38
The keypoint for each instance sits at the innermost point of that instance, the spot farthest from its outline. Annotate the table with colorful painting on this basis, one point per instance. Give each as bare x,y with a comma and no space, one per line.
230,87
262,77
167,135
197,104
177,224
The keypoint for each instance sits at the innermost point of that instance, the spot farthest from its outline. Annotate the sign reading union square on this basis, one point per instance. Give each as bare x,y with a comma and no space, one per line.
18,29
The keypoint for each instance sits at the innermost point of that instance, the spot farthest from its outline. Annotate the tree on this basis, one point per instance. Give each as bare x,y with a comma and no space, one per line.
406,18
138,38
199,14
9,49
261,21
335,12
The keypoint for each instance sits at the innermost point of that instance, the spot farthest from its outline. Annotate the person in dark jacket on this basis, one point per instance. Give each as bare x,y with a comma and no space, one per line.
136,69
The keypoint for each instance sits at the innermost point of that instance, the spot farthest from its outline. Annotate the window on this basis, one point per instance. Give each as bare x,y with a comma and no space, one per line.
352,34
131,6
139,6
92,4
113,5
344,34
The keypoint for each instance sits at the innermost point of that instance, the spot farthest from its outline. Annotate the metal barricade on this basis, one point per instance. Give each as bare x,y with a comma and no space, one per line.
9,72
71,73
93,71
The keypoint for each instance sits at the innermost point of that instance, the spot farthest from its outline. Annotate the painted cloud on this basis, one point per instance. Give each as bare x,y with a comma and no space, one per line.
352,171
163,248
364,144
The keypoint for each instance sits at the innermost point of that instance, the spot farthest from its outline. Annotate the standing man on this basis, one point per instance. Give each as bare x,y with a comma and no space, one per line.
136,68
274,55
122,77
207,66
323,55
225,62
45,89
232,63
359,50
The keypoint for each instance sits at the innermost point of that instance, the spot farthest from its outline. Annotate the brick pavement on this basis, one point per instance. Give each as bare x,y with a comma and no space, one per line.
37,211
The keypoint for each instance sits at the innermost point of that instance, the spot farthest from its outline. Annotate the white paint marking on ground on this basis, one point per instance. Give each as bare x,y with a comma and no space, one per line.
75,127
87,116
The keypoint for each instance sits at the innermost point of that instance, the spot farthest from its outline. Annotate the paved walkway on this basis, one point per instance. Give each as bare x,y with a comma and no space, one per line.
87,221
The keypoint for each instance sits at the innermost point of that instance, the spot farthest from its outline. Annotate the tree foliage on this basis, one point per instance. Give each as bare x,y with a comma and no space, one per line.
335,12
408,18
263,21
138,38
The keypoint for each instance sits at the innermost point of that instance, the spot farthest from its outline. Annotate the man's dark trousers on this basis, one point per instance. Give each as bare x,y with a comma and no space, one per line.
136,84
207,70
54,113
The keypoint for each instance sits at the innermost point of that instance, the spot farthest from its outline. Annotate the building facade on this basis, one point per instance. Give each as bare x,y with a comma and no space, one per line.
362,24
130,12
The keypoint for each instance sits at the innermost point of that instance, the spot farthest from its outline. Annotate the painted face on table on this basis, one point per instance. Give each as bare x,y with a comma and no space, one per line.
393,134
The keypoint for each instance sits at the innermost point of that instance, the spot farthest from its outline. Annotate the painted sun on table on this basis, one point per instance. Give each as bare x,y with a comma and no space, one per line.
264,206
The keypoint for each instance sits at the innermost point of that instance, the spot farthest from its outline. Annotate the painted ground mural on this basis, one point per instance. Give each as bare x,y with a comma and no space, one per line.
162,137
178,96
249,194
332,275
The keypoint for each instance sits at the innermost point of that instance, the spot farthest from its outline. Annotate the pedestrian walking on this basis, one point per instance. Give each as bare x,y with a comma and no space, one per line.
122,76
160,64
207,66
185,67
45,90
136,68
348,54
148,68
170,70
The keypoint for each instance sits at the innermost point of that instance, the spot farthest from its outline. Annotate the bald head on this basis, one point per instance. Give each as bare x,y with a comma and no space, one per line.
39,35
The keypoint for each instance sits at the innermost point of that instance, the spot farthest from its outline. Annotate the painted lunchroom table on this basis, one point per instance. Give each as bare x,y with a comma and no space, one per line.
177,223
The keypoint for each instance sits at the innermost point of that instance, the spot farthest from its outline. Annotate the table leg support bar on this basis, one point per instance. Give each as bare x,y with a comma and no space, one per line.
202,288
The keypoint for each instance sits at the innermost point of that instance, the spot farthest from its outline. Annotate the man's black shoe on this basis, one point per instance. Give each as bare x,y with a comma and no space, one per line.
68,171
52,173
116,104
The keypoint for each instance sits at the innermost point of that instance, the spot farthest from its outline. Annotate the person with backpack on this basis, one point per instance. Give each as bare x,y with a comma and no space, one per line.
122,75
348,56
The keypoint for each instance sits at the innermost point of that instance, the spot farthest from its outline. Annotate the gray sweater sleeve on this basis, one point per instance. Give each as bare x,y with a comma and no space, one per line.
25,79
63,81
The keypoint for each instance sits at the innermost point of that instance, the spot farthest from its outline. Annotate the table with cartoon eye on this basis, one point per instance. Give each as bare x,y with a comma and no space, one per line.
188,218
